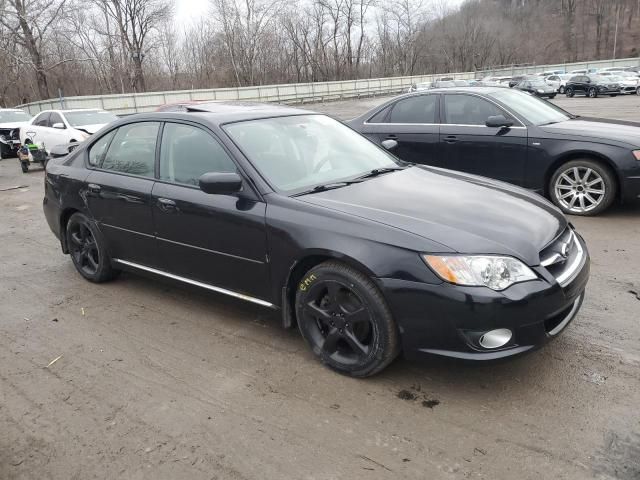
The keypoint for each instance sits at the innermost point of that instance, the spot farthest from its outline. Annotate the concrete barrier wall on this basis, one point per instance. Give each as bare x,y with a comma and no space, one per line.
294,92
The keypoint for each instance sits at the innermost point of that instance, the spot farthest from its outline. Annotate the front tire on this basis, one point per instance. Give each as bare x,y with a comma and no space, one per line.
569,92
24,166
613,95
561,90
592,93
88,249
345,320
583,187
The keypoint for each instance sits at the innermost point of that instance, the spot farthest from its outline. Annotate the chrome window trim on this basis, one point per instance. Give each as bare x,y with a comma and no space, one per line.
521,126
196,283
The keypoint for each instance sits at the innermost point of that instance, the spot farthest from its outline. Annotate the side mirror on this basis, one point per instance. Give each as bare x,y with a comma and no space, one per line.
389,144
59,126
220,183
498,121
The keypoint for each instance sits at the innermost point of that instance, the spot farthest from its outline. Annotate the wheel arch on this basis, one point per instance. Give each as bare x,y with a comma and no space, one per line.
64,219
582,154
305,262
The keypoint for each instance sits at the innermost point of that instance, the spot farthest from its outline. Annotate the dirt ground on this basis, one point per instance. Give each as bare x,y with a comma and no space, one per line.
143,379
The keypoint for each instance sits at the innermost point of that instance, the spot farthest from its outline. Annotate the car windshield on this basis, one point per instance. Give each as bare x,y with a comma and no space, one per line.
615,78
538,83
89,117
533,109
445,83
300,152
6,117
461,83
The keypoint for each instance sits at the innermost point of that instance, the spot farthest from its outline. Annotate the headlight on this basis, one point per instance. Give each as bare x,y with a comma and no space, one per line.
636,153
540,90
491,271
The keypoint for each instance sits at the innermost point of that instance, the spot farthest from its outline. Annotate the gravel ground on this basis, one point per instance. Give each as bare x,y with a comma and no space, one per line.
143,379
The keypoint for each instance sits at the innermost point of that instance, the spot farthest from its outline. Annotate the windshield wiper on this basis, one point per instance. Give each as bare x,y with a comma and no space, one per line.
379,171
327,186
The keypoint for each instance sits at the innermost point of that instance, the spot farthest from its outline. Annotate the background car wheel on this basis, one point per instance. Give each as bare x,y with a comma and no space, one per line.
593,93
24,166
88,250
570,93
583,187
638,91
613,95
552,97
561,90
345,320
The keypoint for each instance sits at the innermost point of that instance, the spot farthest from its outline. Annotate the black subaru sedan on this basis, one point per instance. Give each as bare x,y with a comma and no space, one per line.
582,164
369,256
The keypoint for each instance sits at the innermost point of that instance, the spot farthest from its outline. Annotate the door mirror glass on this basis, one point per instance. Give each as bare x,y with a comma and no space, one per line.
220,183
498,121
389,144
58,125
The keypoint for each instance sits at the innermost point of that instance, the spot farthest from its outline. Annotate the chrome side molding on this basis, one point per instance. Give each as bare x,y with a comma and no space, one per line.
196,283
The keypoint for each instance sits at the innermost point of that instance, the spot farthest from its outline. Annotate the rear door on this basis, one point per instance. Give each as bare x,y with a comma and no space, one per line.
37,130
219,240
118,190
470,146
414,123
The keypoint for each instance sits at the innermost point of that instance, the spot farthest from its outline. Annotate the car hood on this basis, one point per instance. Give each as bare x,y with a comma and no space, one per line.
13,124
595,128
466,213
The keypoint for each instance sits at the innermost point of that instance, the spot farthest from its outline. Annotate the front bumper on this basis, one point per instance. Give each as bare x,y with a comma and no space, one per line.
448,320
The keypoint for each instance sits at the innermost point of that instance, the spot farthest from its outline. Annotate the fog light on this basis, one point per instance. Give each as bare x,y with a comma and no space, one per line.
495,338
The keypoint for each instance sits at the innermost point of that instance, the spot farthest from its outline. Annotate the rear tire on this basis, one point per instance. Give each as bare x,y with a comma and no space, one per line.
551,97
592,93
583,187
345,320
561,90
88,249
569,92
613,95
24,166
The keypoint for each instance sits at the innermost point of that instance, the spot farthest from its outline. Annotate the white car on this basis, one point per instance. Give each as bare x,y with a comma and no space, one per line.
558,82
11,121
628,83
51,128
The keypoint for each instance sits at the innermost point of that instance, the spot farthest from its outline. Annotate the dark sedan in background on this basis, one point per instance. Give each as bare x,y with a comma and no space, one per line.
581,164
297,212
591,86
537,87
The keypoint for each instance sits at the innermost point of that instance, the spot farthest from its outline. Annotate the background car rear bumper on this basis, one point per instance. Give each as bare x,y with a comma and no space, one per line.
448,320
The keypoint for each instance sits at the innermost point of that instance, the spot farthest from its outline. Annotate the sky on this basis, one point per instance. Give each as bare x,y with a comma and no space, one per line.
187,11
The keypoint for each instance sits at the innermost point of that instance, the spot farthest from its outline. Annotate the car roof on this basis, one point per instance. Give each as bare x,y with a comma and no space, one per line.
228,112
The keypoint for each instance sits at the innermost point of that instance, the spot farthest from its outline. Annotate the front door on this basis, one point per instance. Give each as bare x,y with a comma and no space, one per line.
413,123
470,146
219,240
119,190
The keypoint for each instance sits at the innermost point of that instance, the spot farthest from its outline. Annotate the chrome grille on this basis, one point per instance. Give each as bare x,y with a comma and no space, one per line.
564,257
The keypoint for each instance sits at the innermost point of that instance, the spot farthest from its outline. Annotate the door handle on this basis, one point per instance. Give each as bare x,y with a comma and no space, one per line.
450,139
93,188
167,205
391,137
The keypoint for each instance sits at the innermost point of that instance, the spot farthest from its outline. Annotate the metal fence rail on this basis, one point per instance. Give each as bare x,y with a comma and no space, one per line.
291,93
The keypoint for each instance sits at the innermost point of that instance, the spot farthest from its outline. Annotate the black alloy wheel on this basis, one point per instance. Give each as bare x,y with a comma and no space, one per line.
87,249
569,92
345,320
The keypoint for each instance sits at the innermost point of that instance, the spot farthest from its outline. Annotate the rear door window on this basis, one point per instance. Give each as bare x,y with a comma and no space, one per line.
419,109
133,149
98,149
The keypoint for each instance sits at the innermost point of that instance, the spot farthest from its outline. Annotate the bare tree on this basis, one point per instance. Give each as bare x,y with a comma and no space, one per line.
29,22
